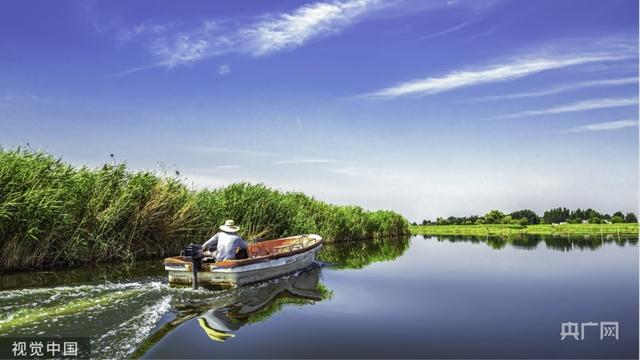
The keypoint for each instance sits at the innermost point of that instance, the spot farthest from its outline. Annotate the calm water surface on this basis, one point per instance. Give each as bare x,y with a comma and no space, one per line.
415,297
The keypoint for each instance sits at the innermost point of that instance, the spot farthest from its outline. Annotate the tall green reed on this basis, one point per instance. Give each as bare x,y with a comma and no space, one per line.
53,214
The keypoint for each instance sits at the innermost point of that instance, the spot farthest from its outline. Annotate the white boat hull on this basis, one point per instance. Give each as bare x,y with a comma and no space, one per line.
246,274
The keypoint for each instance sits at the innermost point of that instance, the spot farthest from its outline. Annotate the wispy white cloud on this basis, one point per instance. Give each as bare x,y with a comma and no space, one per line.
207,39
178,43
564,88
449,30
495,73
515,68
14,100
224,70
482,34
147,27
371,172
246,152
577,106
215,169
607,125
355,171
284,160
290,30
264,35
304,161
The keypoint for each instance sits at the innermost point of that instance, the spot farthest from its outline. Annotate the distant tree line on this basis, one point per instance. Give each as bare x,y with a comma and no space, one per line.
529,217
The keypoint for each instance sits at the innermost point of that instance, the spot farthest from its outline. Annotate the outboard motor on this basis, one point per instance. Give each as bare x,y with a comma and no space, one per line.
194,253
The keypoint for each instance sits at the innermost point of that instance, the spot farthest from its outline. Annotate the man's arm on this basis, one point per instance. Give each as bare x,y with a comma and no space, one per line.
213,242
242,243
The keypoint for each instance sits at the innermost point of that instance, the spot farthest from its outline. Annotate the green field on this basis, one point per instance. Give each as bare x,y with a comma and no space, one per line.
498,229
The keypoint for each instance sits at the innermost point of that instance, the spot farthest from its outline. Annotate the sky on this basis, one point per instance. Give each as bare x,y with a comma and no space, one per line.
428,108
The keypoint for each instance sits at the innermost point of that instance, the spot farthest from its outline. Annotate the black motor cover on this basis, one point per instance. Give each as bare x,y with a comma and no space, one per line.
193,251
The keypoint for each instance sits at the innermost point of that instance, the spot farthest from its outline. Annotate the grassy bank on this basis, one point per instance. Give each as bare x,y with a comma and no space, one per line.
52,214
580,229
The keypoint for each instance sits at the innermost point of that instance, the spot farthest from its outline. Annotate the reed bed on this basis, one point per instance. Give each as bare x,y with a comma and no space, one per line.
53,214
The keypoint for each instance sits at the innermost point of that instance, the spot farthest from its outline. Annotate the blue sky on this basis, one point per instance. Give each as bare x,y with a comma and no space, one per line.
429,108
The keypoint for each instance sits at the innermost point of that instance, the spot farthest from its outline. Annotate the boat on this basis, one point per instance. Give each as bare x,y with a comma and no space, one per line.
266,260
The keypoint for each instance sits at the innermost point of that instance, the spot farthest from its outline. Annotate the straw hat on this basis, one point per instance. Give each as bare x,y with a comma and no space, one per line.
229,227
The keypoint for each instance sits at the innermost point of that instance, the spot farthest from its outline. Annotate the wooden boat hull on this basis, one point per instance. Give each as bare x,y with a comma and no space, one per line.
270,259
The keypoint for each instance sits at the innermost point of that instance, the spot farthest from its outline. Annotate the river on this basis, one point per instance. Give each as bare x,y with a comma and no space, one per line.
414,297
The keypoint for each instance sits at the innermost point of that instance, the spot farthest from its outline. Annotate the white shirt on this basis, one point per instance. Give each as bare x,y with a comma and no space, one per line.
226,244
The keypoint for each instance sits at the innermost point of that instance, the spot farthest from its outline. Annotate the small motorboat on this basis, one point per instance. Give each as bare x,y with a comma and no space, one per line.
266,260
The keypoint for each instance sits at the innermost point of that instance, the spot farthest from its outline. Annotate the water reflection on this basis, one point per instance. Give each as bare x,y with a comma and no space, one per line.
221,317
555,242
358,254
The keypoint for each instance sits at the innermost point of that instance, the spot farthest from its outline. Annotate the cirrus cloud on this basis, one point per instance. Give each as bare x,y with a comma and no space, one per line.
552,58
607,125
591,104
171,46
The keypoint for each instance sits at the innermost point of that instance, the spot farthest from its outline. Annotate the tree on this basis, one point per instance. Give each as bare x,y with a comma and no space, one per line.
630,218
578,215
530,215
493,217
617,219
556,215
453,220
506,219
592,214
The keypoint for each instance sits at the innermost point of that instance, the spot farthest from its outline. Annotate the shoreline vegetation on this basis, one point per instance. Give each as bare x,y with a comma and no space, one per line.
55,215
539,229
557,216
558,221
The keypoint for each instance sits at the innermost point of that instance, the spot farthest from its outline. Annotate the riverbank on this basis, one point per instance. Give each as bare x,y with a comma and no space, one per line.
541,229
53,214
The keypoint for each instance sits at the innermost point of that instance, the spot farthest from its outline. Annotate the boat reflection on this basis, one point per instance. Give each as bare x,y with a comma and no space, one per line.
220,320
221,314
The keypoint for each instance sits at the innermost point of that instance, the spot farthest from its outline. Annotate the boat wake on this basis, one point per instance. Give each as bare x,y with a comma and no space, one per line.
117,317
120,317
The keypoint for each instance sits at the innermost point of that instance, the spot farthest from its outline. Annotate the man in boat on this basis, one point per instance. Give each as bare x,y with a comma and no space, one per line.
227,243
